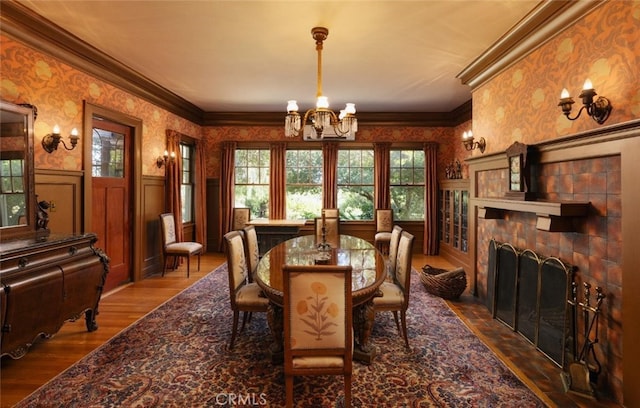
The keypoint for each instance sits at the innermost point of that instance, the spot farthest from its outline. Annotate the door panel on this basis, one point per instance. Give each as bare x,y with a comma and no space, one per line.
111,198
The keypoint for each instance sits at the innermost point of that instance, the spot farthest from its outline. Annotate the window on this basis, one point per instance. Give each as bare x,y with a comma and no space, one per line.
303,184
355,184
252,181
407,184
187,182
12,197
107,153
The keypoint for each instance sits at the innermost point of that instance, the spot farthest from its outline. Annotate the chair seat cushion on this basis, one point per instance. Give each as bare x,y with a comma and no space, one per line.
383,236
392,294
317,362
184,248
251,295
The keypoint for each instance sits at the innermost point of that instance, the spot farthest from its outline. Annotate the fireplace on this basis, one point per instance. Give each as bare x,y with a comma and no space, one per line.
529,293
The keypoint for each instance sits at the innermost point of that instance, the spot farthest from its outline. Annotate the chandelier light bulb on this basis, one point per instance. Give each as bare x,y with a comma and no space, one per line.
322,102
292,106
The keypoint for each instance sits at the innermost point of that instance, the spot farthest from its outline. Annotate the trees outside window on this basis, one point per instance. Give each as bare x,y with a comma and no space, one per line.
303,183
252,181
355,184
407,172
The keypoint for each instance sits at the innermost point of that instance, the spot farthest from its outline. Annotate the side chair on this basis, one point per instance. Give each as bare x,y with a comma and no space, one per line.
241,216
171,247
244,296
318,338
384,227
393,250
395,294
252,249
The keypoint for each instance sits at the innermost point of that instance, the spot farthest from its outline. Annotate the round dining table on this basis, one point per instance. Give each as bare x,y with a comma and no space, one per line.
369,270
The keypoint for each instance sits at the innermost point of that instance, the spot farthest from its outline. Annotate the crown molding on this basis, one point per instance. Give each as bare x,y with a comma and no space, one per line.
24,25
423,119
543,23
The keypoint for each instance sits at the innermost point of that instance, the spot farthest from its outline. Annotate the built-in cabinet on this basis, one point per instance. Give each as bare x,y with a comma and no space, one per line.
453,221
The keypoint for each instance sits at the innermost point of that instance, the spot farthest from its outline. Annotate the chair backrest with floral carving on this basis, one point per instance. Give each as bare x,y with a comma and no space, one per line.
403,263
384,220
236,261
317,308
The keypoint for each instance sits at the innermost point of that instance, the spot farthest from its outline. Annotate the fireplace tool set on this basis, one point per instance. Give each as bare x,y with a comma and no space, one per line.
584,370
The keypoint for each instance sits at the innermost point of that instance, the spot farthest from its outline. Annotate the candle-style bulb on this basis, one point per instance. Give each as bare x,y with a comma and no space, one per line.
56,130
564,94
587,84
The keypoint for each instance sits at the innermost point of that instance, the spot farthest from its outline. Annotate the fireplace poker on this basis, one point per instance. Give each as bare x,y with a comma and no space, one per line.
582,375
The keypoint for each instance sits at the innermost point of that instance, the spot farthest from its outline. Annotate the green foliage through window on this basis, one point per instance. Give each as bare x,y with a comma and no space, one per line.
355,184
407,184
303,184
252,168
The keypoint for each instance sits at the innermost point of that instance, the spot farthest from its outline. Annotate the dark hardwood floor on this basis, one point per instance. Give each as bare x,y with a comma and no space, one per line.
122,307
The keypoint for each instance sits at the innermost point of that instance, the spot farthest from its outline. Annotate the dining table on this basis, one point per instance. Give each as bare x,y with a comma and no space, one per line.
369,270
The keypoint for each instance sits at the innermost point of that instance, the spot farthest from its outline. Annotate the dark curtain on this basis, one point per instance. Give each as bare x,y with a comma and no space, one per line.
172,174
329,170
381,172
200,195
277,196
227,186
430,246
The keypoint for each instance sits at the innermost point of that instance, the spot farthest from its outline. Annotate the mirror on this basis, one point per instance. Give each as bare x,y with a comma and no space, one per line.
17,200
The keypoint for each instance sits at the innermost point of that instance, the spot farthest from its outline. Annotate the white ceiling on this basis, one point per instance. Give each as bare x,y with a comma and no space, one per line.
252,56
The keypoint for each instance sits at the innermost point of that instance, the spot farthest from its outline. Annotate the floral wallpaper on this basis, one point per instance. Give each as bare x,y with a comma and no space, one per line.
58,91
520,104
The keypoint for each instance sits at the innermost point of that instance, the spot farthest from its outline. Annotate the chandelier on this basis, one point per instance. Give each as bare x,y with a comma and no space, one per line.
323,120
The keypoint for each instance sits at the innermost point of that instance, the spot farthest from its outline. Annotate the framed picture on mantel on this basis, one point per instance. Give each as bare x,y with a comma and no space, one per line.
519,182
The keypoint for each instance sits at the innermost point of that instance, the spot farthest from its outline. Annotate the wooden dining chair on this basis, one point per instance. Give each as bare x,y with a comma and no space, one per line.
395,294
393,251
252,249
171,247
245,297
331,212
241,216
384,227
317,311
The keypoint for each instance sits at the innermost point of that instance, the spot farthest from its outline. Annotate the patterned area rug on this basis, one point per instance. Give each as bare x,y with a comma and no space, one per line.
177,356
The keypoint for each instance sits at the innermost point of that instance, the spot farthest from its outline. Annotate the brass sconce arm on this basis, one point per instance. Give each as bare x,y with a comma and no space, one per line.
51,141
471,144
599,109
164,159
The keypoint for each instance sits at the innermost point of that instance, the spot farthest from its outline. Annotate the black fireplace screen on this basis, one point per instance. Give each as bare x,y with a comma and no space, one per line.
529,294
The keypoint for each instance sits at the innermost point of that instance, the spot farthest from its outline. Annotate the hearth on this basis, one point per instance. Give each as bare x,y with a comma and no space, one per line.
529,294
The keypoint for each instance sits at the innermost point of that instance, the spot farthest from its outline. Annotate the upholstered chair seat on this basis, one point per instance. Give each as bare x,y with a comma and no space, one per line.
384,227
171,247
245,297
395,292
318,331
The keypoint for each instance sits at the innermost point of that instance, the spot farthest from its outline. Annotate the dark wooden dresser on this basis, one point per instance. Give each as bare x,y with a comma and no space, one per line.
44,283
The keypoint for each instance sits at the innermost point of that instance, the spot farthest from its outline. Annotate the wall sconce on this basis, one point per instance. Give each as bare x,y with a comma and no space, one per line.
162,160
470,144
598,110
50,142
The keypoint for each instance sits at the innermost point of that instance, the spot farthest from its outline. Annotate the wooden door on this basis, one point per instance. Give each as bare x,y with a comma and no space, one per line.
111,197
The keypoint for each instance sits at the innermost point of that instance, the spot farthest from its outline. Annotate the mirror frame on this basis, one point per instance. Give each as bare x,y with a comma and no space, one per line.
24,231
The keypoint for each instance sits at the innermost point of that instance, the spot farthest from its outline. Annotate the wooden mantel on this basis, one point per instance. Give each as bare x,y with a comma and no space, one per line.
553,216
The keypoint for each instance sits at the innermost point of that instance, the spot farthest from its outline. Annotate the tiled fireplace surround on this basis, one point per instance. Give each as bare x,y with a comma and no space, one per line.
591,172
